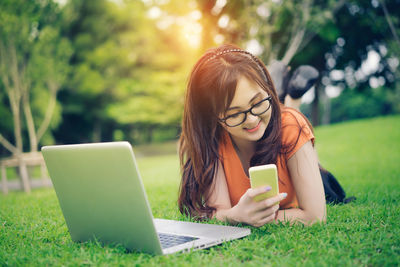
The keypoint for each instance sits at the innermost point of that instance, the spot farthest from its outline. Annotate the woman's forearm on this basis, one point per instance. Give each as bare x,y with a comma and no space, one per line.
299,215
292,215
226,215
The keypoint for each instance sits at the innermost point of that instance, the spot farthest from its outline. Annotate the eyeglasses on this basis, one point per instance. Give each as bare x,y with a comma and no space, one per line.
257,109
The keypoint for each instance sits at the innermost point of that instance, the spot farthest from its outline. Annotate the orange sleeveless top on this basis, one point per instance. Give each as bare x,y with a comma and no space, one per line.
236,178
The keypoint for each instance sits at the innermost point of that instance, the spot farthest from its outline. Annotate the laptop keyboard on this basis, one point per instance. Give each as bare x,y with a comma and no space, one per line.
168,240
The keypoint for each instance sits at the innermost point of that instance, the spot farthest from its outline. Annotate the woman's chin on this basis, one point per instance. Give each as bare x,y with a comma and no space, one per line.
254,134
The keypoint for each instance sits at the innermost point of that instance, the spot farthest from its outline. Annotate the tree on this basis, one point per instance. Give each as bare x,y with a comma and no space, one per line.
33,66
128,76
325,34
359,29
282,28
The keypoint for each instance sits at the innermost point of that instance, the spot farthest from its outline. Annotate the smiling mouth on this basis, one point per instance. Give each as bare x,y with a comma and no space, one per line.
254,129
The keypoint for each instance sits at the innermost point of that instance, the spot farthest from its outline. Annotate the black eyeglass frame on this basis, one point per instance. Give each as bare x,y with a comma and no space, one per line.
268,98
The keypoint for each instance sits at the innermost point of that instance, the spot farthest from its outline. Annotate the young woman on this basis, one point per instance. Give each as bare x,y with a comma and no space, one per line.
233,120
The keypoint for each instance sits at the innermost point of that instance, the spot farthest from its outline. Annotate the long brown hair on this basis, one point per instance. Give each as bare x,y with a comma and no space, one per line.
210,90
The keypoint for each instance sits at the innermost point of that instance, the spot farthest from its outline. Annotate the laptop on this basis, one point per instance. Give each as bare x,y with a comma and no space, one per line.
102,198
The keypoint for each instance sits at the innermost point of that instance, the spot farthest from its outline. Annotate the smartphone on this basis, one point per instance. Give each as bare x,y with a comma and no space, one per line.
262,176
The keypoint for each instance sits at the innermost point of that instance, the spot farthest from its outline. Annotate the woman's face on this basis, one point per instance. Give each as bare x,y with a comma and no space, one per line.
247,94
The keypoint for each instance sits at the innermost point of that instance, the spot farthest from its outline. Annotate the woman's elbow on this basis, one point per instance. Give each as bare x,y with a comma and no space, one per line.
316,216
320,218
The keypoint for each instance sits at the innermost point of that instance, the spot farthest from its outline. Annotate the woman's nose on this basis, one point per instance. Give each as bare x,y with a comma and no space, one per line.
251,118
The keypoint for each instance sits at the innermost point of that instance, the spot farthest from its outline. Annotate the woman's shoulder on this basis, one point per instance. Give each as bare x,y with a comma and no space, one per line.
296,130
292,116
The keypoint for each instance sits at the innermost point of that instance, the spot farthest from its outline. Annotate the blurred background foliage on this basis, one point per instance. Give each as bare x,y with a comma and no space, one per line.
76,71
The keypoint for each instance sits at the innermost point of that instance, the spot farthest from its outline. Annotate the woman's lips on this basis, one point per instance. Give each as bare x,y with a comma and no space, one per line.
253,129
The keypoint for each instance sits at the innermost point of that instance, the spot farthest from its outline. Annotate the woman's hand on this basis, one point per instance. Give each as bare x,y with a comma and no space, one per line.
246,210
256,213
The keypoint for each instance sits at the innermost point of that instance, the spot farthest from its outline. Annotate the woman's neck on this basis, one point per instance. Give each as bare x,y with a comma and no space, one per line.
244,146
245,150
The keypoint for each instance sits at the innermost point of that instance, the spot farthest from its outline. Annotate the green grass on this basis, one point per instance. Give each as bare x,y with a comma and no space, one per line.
364,155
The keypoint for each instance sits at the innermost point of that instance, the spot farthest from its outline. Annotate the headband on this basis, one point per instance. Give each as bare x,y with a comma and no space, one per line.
226,52
239,51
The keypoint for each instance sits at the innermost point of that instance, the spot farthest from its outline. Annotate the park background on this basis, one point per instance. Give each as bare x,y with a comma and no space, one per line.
89,71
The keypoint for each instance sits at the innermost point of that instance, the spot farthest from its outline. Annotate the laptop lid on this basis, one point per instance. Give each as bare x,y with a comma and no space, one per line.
101,194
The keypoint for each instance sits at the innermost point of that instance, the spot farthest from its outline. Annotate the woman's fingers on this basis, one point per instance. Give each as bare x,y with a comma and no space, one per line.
266,220
268,212
262,212
252,192
265,216
269,202
267,209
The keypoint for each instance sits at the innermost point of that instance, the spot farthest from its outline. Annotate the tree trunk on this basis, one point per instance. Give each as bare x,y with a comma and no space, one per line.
298,32
9,72
310,34
149,137
96,131
17,87
315,106
389,21
294,46
17,131
10,147
29,121
209,24
326,116
53,87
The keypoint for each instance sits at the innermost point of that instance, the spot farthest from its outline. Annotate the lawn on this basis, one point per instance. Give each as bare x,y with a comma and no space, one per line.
364,155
